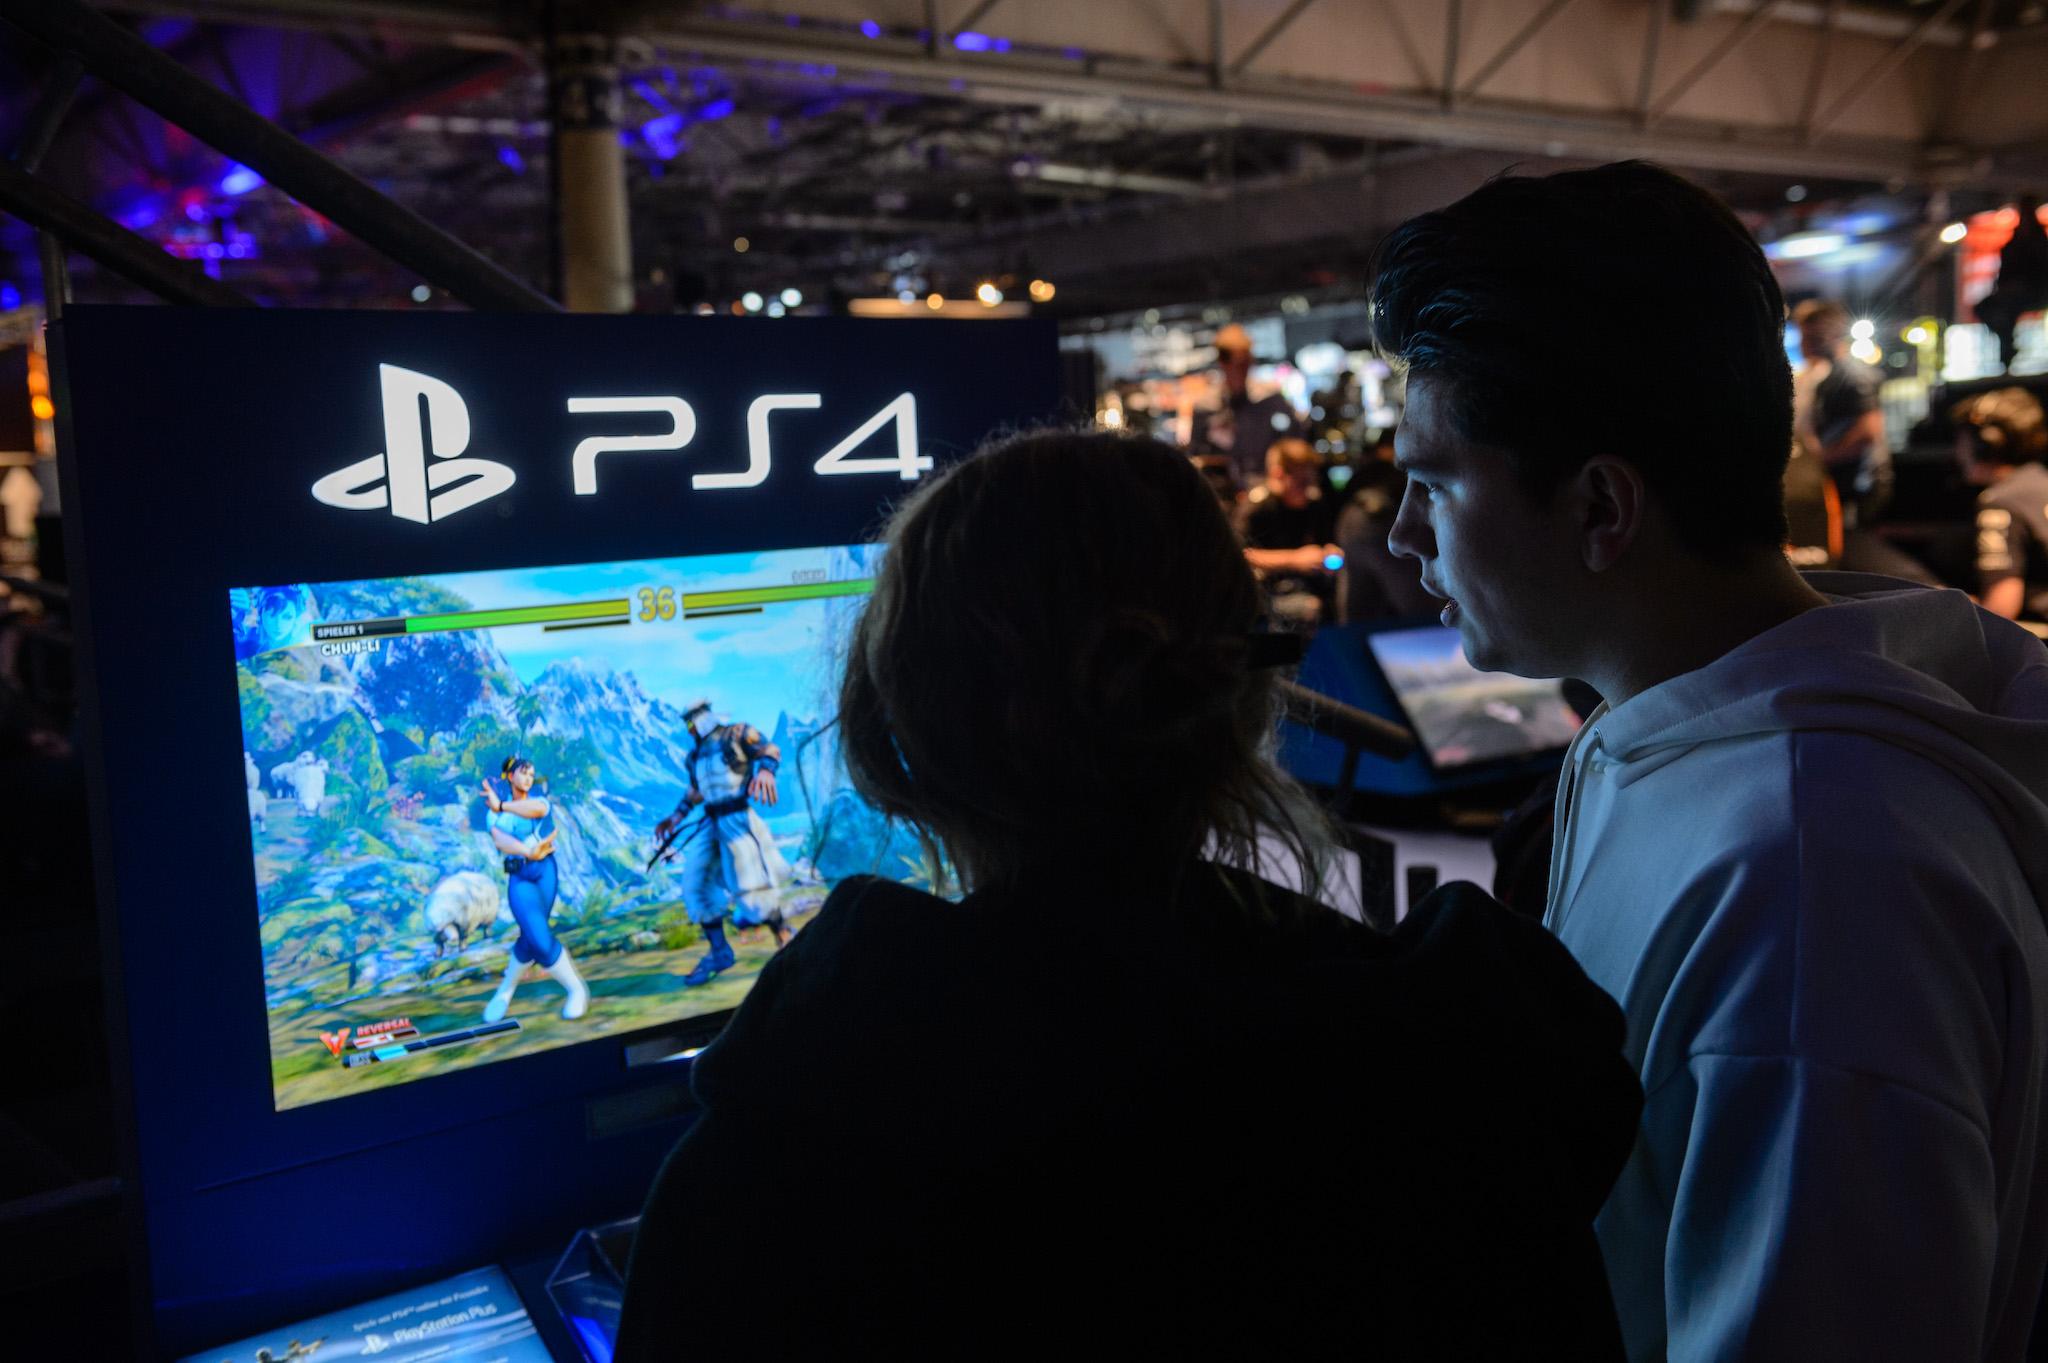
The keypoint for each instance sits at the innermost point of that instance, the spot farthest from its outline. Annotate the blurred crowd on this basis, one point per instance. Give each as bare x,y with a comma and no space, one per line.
1313,495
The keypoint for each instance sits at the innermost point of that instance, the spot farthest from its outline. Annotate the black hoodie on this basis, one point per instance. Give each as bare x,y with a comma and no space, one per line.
1222,1121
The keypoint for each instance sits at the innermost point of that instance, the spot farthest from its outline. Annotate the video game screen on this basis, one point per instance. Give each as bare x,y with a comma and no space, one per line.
1462,715
494,813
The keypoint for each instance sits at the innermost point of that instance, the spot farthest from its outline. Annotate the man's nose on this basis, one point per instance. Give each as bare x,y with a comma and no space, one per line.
1409,536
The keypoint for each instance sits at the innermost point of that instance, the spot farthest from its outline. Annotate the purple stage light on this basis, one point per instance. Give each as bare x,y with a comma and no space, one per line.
973,42
509,157
716,109
239,180
870,29
664,135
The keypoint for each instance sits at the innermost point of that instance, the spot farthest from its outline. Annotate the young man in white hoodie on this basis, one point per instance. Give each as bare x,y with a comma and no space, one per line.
1805,840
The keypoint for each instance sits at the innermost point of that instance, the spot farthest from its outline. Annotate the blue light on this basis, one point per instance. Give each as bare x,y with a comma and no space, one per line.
1333,561
716,109
509,157
664,135
870,29
239,180
10,297
973,42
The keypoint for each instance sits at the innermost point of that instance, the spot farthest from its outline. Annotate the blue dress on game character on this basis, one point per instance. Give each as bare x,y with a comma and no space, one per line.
532,889
520,820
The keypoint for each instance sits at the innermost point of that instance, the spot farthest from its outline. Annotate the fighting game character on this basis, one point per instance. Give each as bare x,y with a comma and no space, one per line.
522,828
731,865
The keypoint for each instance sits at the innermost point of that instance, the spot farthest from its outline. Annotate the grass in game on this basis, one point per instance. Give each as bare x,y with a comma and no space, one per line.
629,990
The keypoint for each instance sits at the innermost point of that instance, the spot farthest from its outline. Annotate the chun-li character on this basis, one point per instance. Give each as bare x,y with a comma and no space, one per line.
522,828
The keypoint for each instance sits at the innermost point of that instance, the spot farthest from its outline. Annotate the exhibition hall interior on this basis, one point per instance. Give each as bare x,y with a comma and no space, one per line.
876,645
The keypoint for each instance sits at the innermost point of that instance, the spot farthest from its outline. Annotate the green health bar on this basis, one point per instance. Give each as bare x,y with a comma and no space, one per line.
769,596
619,610
614,612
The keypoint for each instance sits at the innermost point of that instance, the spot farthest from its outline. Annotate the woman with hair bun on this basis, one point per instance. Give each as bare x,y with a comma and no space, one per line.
1125,1095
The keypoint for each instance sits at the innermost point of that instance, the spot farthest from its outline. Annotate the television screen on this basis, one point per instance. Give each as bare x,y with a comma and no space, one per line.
378,718
1464,716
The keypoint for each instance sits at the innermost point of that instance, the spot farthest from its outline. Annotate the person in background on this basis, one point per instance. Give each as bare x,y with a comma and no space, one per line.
1243,428
1375,583
2001,440
1125,1098
2022,279
1836,415
1287,523
1804,837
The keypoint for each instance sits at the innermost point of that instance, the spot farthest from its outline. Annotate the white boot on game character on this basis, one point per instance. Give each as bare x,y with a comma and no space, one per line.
495,1010
563,972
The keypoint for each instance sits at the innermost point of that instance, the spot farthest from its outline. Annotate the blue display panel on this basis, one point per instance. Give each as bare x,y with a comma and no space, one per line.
221,471
1466,717
475,1317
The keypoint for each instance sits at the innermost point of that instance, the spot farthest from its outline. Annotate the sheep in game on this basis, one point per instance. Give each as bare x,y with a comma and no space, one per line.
463,903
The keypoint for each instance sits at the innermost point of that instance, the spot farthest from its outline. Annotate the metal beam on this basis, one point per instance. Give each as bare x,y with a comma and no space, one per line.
1966,80
1653,36
59,89
132,257
1818,75
1293,106
1265,40
1451,17
1216,68
125,60
1884,66
975,15
1536,25
1741,34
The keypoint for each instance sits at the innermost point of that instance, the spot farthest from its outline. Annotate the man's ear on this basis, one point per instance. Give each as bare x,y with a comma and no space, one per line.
1611,506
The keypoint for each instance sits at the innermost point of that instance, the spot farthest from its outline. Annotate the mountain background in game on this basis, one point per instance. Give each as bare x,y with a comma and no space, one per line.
404,738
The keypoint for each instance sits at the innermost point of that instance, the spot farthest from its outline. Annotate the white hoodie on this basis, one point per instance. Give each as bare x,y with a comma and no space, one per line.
1814,873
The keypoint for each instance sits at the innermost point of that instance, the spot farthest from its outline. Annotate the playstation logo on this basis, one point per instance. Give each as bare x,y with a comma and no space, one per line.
401,477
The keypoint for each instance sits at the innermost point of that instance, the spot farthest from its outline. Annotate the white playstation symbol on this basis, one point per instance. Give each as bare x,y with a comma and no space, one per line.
401,476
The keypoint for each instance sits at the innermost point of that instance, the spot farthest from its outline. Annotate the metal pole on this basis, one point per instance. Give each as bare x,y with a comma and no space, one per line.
590,205
1216,68
1514,45
1651,41
56,275
1819,75
129,63
1883,66
1451,18
1265,40
48,116
132,257
1945,126
974,16
51,106
1713,59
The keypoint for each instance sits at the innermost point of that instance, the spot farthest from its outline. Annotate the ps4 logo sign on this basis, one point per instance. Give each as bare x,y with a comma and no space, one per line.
414,489
401,478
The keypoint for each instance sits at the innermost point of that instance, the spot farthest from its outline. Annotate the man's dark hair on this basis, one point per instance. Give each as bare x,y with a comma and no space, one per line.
1527,301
